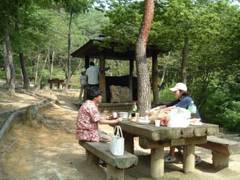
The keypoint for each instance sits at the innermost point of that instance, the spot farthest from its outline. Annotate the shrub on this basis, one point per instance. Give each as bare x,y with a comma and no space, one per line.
230,116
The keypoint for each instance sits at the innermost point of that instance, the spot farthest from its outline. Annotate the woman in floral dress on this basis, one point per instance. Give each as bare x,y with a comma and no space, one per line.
89,117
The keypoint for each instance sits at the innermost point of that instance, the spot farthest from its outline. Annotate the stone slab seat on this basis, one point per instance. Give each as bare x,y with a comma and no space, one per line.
115,164
221,150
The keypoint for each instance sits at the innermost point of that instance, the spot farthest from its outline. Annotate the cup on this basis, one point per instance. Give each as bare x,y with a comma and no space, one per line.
146,118
114,115
137,116
157,122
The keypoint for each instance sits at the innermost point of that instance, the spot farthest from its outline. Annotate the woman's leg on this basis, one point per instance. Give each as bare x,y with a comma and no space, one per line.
172,151
171,155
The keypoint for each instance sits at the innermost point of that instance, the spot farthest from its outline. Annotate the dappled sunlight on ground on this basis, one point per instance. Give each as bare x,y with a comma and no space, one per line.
15,101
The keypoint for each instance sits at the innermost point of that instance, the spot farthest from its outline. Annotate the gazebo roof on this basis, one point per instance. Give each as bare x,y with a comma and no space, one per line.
97,48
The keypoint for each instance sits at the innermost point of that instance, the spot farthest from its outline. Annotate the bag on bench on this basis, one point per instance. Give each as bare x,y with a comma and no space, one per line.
117,144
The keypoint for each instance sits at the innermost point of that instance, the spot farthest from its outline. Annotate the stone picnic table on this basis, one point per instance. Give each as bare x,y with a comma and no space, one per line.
58,82
156,138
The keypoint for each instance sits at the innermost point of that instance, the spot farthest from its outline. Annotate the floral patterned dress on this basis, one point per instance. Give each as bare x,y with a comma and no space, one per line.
87,122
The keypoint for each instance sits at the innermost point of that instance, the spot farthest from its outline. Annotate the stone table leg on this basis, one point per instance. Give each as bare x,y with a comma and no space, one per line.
188,158
157,162
129,143
220,160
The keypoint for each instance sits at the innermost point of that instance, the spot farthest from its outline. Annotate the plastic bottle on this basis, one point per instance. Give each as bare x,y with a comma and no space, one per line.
134,109
192,108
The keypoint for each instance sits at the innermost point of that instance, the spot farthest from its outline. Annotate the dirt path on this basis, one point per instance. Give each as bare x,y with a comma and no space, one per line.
50,152
47,152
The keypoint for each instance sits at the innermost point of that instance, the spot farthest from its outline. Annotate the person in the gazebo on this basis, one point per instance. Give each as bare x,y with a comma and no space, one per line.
92,74
83,83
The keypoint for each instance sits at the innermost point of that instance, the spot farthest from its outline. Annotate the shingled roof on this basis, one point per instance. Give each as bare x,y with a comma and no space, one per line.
97,48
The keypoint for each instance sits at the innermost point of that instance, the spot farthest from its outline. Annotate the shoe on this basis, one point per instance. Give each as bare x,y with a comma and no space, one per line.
169,159
197,160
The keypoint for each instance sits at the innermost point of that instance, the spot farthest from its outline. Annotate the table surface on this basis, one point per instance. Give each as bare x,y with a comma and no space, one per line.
153,133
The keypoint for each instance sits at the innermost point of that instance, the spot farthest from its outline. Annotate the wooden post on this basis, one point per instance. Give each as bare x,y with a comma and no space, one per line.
157,162
155,78
87,59
102,79
131,67
114,173
188,158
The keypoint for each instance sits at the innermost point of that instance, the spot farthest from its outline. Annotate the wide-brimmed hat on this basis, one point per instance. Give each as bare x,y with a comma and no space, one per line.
179,86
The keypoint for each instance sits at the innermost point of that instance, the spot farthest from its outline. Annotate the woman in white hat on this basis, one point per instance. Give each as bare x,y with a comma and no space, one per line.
183,100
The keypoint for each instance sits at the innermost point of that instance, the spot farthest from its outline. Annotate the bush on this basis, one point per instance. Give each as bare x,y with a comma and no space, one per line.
230,116
166,95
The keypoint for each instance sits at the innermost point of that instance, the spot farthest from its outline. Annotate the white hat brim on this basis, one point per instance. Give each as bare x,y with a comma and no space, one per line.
173,89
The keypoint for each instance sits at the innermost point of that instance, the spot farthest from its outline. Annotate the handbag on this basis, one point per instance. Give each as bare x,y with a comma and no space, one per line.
117,144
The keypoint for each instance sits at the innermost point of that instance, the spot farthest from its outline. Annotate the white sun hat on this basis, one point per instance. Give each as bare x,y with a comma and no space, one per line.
179,86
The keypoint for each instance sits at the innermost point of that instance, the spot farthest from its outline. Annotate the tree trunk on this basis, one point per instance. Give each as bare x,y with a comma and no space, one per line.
185,52
155,80
8,62
43,67
75,68
144,94
69,49
37,70
24,72
51,64
163,76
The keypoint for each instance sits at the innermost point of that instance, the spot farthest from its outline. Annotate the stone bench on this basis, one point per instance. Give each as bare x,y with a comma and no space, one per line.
221,150
115,164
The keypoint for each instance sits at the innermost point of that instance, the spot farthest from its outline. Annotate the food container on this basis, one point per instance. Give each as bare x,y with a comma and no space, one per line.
123,115
157,122
114,115
143,120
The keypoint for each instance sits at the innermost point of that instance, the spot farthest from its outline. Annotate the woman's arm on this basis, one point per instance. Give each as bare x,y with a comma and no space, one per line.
106,121
184,102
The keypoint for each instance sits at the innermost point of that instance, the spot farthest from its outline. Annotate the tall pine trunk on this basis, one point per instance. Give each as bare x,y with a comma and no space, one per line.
155,80
36,70
144,93
39,83
185,52
51,64
69,49
8,62
24,72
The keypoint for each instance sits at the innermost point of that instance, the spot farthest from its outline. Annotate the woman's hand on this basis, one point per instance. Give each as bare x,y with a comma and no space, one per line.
118,120
109,117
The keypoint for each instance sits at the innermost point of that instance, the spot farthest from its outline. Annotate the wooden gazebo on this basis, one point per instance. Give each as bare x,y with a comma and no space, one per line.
103,49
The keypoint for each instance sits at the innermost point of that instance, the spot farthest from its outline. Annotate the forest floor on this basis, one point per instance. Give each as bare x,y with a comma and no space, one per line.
51,152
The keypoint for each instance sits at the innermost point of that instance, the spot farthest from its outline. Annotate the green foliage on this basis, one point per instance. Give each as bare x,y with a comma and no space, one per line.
166,95
230,118
125,20
75,6
41,28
